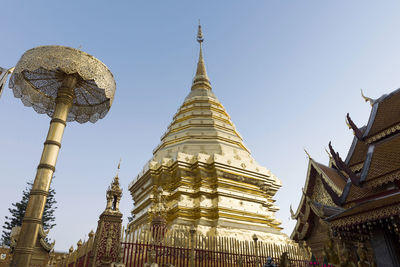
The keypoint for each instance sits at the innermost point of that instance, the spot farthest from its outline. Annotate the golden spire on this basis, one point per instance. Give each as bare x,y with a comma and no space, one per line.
201,79
119,167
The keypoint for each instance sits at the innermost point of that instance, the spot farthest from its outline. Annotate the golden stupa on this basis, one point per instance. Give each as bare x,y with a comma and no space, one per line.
205,175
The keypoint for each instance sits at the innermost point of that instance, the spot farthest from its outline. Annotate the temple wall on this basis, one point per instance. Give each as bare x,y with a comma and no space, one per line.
318,238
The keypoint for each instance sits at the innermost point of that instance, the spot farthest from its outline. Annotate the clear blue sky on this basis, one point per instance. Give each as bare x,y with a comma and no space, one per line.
286,71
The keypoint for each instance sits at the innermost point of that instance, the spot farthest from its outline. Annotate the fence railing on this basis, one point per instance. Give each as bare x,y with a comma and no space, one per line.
79,257
186,248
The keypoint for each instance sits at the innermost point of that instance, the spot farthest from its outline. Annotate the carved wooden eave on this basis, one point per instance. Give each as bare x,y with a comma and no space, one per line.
383,207
324,211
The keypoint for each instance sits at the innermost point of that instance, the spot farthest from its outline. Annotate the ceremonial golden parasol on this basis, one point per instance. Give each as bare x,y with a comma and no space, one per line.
68,85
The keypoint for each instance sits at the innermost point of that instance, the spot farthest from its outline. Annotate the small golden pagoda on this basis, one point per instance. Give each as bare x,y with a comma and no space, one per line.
205,175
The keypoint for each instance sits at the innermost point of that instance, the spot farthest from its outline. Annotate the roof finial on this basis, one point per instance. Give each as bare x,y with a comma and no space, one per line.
329,154
367,99
119,166
292,214
308,155
201,80
347,123
200,37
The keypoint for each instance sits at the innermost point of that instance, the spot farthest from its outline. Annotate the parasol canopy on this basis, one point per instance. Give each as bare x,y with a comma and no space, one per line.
39,73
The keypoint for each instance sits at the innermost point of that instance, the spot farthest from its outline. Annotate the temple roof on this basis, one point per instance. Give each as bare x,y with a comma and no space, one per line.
332,181
357,152
324,211
383,207
357,194
319,199
384,115
365,186
333,175
382,163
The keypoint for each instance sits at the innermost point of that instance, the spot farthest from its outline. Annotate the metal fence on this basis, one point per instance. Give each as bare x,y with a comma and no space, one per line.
186,248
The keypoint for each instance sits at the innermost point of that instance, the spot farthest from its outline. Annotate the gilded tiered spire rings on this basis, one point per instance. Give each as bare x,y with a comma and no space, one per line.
201,80
200,37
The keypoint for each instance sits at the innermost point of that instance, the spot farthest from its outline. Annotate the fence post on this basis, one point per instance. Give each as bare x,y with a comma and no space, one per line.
240,261
192,232
255,239
71,249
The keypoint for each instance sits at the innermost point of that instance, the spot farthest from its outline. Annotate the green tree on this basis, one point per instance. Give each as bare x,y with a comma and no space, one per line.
17,212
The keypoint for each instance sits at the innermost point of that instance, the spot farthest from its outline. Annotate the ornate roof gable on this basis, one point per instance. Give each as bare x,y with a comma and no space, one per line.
321,197
385,117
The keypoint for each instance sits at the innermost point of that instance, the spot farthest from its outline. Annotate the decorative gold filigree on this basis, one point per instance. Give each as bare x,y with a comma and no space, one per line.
320,195
366,216
382,180
383,134
159,206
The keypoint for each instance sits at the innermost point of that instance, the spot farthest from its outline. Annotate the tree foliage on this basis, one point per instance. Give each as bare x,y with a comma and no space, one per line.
17,212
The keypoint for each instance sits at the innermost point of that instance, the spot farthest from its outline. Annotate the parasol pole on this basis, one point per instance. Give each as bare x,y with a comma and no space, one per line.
40,189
